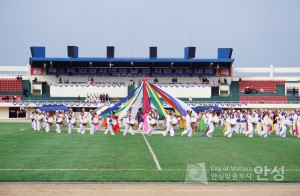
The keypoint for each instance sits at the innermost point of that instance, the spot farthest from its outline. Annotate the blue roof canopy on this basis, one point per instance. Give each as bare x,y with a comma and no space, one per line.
145,60
204,108
53,108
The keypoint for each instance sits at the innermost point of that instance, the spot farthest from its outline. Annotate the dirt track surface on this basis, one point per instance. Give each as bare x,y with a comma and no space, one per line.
149,189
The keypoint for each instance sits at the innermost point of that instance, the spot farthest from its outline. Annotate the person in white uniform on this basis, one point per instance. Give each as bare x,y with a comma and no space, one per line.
229,125
47,125
33,120
92,126
298,123
295,118
188,124
109,126
169,125
127,125
282,133
38,121
57,124
151,127
266,125
210,124
250,121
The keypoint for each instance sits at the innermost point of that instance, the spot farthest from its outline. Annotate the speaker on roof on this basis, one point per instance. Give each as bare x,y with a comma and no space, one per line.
224,53
110,51
189,52
153,52
73,51
38,51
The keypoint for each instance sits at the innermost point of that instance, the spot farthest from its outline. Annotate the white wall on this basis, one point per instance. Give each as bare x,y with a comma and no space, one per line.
68,91
241,72
53,79
184,92
4,112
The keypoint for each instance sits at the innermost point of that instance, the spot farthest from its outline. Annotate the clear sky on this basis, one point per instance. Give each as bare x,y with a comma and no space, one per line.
261,32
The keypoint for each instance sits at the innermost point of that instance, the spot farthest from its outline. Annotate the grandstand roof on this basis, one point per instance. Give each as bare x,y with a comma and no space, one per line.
39,59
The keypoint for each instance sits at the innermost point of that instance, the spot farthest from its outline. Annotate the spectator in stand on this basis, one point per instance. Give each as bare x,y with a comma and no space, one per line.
102,98
225,80
174,80
205,80
87,97
190,99
92,81
294,91
98,97
5,98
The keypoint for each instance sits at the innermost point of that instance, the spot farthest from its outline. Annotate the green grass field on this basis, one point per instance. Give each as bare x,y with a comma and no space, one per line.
26,155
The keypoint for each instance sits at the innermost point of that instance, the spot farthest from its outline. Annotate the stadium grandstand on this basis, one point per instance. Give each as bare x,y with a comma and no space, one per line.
85,82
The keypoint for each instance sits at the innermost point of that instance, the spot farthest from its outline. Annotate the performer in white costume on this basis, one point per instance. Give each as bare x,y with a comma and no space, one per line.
109,126
169,125
188,122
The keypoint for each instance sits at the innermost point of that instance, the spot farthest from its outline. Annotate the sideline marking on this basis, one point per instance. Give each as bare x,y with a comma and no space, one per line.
75,169
153,155
110,169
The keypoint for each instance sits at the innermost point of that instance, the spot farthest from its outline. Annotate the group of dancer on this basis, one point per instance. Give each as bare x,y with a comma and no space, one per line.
247,122
250,122
60,118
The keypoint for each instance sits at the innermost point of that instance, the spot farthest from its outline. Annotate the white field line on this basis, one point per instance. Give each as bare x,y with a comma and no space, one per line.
152,153
74,169
116,169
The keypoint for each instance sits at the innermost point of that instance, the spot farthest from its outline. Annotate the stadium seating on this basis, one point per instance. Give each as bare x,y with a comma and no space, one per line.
10,85
263,99
10,98
266,85
293,99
